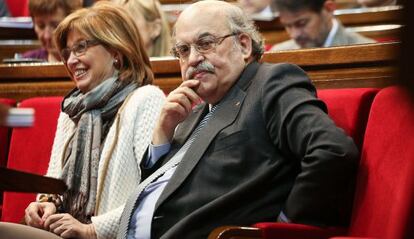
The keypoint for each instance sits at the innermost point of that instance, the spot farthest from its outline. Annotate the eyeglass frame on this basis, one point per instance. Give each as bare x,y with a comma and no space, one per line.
81,51
217,41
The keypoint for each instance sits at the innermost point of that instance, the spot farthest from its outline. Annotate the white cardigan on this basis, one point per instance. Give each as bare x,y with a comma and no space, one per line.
119,172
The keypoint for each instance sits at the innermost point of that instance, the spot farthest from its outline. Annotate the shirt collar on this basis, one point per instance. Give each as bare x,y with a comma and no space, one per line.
332,33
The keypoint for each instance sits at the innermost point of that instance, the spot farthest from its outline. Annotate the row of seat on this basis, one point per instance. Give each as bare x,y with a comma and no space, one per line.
380,122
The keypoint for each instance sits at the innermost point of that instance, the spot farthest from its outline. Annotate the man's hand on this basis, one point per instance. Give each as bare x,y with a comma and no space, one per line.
176,109
37,213
65,226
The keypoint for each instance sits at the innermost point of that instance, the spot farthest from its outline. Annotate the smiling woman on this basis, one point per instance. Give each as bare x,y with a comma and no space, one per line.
103,130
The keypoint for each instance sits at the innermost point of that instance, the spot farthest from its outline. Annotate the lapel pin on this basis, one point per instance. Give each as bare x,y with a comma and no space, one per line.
238,103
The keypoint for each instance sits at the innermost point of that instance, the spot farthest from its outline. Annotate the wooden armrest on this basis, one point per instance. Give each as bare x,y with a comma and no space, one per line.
235,232
18,181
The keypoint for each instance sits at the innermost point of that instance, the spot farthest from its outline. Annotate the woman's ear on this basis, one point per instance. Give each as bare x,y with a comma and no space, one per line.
155,29
118,61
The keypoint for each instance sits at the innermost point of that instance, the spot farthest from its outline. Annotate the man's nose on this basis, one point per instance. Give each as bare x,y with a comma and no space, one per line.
195,57
294,32
48,32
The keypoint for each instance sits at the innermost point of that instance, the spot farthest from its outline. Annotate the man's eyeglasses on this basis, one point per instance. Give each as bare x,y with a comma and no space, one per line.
202,45
78,49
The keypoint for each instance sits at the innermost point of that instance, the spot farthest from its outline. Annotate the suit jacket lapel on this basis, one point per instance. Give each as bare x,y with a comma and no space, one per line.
224,115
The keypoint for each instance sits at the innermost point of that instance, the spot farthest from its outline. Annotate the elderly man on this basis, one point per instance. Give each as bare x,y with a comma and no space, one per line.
311,23
261,146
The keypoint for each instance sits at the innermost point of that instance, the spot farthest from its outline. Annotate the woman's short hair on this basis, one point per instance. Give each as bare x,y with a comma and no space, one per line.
109,24
46,7
151,11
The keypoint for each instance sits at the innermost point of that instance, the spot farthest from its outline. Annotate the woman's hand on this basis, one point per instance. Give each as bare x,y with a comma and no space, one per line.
65,226
37,213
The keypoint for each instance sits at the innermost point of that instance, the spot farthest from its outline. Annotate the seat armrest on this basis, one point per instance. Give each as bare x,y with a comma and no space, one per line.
235,232
297,231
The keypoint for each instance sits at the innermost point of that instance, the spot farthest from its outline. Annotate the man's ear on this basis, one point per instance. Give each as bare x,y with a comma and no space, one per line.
155,28
245,42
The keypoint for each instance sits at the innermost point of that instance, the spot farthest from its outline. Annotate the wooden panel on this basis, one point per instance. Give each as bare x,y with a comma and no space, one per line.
9,47
371,65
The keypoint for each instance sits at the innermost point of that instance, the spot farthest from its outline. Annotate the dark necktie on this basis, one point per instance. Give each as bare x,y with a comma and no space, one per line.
174,161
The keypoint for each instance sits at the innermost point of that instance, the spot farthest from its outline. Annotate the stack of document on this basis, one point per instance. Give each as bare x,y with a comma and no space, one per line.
20,117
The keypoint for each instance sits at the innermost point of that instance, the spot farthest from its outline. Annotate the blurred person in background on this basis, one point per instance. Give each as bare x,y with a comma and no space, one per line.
4,10
311,23
46,15
152,24
103,130
261,8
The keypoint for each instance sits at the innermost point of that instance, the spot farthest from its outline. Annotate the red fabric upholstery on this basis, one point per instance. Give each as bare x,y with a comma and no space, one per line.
5,135
18,8
384,200
296,231
349,109
4,143
30,150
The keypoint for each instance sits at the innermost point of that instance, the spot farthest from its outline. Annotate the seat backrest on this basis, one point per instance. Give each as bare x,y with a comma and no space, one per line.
30,150
349,109
5,135
18,8
384,198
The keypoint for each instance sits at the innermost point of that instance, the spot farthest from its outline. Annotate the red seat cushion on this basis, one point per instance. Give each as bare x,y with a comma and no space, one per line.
383,206
30,150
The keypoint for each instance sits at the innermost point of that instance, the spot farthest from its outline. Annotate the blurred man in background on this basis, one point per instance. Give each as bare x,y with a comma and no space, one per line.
311,23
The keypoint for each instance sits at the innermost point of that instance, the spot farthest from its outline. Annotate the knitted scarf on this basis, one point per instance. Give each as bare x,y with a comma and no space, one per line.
93,114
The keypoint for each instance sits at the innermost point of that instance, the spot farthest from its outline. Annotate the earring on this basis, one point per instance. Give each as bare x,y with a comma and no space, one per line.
116,63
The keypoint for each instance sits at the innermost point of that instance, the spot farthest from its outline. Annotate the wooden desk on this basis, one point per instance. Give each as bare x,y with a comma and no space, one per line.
371,65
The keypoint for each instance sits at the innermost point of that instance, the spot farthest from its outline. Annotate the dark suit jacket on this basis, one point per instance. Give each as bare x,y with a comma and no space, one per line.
269,146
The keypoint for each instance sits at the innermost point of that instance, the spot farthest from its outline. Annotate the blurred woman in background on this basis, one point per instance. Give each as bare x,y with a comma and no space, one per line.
152,24
46,15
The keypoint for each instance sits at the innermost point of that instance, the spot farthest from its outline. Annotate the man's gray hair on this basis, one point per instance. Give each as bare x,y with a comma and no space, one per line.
239,23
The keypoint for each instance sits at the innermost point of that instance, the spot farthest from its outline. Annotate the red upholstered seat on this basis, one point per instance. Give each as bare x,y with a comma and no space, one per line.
4,143
349,108
5,135
18,8
30,150
385,185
